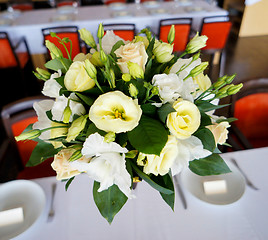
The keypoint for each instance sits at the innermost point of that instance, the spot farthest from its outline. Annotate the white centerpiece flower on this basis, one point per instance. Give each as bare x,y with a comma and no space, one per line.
51,86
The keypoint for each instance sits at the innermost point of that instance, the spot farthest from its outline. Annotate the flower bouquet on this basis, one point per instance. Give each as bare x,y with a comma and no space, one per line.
129,111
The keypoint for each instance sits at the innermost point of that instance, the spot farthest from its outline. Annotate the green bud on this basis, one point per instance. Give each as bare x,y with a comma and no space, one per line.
196,56
75,156
100,31
44,73
147,85
163,52
171,34
135,70
234,89
112,75
28,135
109,137
87,37
196,44
142,39
155,90
131,154
103,56
67,114
90,68
55,52
230,79
133,91
38,76
96,60
198,69
52,34
77,126
126,77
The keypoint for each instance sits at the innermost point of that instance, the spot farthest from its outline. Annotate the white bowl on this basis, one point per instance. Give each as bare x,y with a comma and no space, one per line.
21,193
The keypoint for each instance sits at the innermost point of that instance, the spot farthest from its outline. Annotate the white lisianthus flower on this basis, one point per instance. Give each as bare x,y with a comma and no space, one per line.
51,86
171,87
131,52
185,65
188,150
109,40
80,57
160,164
115,112
108,165
61,103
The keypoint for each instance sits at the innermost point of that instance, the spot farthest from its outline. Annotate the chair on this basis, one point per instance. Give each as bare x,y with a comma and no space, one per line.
65,31
108,2
217,29
16,65
21,5
123,30
182,30
16,117
250,107
61,3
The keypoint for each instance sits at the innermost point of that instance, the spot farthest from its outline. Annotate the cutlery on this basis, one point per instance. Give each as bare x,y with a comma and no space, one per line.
51,212
180,192
248,182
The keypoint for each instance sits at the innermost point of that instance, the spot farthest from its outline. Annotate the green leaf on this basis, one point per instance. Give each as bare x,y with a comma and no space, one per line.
156,182
93,129
69,181
164,110
211,165
86,99
109,201
169,198
207,106
41,152
205,119
207,138
55,64
229,120
148,109
116,46
149,137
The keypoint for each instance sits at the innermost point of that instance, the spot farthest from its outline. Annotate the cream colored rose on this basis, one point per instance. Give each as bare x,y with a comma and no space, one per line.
131,52
115,112
219,131
62,166
77,79
185,121
160,164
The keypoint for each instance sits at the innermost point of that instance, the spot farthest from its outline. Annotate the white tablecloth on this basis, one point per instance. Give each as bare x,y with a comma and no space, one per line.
30,23
148,217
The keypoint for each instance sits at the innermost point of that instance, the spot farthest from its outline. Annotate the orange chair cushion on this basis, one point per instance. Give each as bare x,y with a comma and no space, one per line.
181,38
114,1
25,149
23,6
65,3
217,34
75,43
125,34
7,58
252,114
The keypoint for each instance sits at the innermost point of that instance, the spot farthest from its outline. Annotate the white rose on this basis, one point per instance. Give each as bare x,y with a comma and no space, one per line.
77,79
131,52
160,164
115,112
109,40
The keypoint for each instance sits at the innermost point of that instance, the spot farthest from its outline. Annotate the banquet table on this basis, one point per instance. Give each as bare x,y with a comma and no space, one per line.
148,217
30,23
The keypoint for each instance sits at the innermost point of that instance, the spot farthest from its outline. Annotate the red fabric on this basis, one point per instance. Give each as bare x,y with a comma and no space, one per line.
7,58
217,33
114,1
25,149
181,37
125,34
75,43
23,6
252,114
65,3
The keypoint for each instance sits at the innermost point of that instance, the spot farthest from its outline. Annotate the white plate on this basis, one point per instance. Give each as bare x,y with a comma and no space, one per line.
117,6
21,193
11,14
158,11
150,4
121,14
62,18
66,9
235,186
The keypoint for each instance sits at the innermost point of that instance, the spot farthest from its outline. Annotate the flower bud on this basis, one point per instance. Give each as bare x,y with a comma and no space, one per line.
44,73
77,126
90,68
234,89
28,135
103,56
171,35
75,156
196,43
135,70
96,60
100,31
198,69
142,39
195,57
109,137
87,37
131,154
54,51
230,79
133,90
112,75
163,52
126,77
155,90
67,114
220,83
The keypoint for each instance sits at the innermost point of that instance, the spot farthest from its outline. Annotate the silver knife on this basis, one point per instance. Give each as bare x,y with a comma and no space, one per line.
180,192
248,182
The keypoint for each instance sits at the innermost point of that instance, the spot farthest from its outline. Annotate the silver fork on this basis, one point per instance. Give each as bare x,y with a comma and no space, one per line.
248,182
51,212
